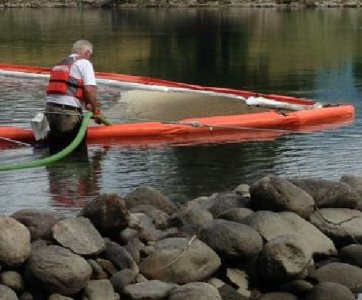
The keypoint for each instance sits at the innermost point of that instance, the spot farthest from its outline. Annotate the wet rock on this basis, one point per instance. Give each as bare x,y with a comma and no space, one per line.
120,257
342,225
330,291
12,280
278,194
122,278
195,291
235,214
180,260
108,213
7,293
231,239
158,217
99,289
57,270
79,235
150,290
227,292
148,196
14,242
284,258
328,193
145,228
39,222
278,296
337,273
352,254
271,225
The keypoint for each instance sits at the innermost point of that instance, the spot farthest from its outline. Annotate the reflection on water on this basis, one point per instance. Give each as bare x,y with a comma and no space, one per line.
314,54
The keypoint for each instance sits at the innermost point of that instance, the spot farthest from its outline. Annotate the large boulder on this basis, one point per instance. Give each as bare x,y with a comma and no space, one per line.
79,235
352,254
180,260
150,290
285,258
328,193
7,293
57,270
231,239
341,273
145,195
108,213
354,182
39,222
278,194
99,289
195,291
342,225
271,225
14,242
330,291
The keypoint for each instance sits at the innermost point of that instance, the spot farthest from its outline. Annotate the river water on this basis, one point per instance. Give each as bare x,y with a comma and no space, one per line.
314,54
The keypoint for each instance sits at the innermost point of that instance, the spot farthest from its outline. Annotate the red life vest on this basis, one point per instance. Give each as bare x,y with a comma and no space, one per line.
62,83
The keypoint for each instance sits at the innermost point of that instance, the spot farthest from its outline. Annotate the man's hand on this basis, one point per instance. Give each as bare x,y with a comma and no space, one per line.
97,113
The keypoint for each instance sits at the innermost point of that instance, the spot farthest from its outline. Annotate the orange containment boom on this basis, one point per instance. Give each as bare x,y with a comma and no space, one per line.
254,126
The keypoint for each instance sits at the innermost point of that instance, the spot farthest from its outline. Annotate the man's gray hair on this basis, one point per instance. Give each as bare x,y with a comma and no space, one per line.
82,46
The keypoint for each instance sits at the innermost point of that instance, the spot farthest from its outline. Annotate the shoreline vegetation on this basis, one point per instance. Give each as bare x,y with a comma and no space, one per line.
279,238
180,3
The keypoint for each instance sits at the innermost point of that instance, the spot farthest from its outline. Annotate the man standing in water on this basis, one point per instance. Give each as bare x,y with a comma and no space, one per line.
72,83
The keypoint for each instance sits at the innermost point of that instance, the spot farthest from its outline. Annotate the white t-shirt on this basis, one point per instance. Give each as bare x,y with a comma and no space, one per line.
81,69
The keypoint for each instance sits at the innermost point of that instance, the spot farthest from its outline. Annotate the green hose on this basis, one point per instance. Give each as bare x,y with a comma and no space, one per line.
60,155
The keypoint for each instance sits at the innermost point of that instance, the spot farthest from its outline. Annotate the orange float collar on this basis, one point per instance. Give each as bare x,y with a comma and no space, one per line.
62,83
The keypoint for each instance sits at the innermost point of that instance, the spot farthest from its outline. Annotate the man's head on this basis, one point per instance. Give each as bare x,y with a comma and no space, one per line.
83,48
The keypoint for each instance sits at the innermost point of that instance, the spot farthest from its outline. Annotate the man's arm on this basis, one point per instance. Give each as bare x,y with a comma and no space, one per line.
91,97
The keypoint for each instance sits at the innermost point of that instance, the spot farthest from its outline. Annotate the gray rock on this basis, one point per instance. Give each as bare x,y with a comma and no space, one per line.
227,292
243,190
7,293
216,282
107,266
127,235
180,260
342,225
352,254
220,202
79,235
271,225
278,296
284,258
341,273
278,194
108,213
328,193
39,222
57,270
191,215
145,195
58,297
354,182
12,280
330,291
235,214
122,278
241,279
145,228
99,290
296,287
134,248
120,257
14,242
195,291
97,270
159,217
150,290
231,239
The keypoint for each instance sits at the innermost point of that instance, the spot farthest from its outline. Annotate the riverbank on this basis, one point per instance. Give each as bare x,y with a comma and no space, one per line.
178,3
279,238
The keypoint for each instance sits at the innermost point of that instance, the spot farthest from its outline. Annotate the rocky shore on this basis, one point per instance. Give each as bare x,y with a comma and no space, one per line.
179,3
277,239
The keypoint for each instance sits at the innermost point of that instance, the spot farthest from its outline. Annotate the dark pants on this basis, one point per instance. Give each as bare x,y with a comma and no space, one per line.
64,125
